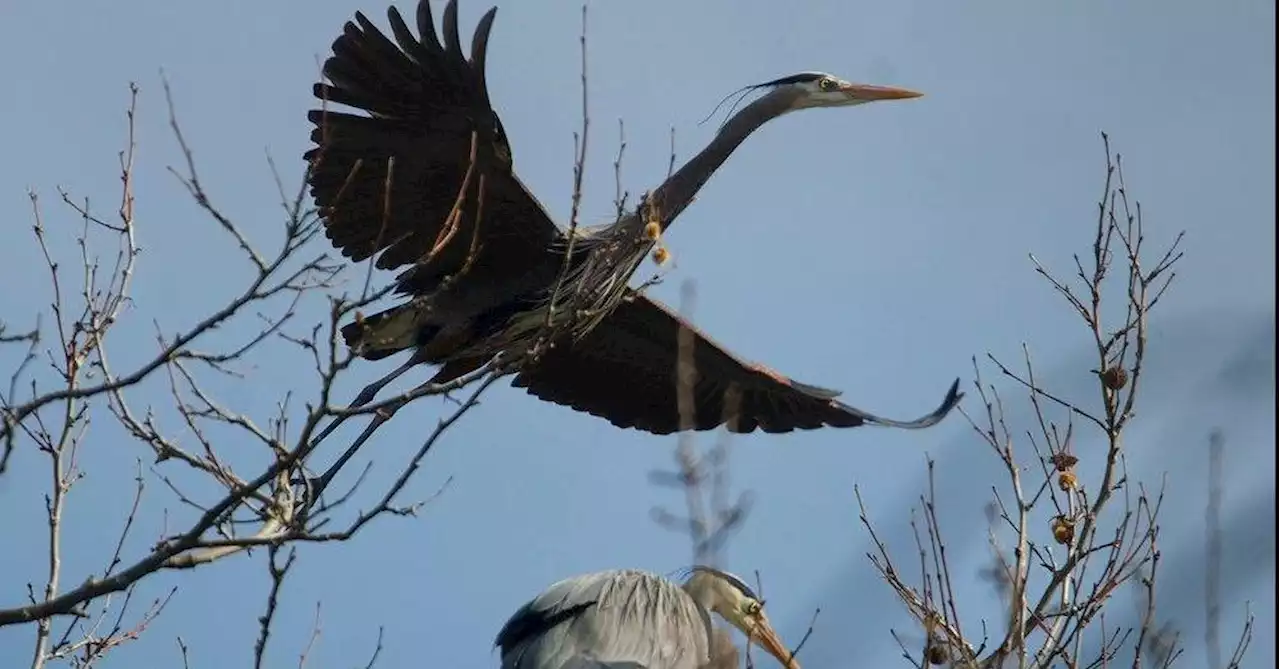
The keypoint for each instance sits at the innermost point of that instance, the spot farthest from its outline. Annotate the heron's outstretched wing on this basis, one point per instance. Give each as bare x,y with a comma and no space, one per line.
389,178
619,619
625,371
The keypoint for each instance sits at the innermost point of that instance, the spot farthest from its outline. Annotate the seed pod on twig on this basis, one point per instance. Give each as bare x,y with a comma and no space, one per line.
1063,461
1064,530
1115,377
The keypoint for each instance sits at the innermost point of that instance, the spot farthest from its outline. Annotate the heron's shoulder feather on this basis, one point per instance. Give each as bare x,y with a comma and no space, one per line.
557,603
618,619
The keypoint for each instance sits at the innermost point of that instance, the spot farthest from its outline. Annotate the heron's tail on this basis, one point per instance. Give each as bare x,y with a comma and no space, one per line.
386,332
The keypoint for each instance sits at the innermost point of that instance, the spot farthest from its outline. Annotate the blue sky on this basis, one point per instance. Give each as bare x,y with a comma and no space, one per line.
872,249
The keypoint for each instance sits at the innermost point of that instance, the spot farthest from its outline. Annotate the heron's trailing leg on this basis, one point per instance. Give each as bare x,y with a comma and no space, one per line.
368,393
380,417
450,373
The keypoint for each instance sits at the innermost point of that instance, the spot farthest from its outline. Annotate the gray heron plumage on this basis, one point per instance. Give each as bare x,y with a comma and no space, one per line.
424,180
631,619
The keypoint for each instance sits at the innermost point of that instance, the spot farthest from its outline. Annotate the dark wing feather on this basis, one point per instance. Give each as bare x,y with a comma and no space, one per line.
386,180
625,371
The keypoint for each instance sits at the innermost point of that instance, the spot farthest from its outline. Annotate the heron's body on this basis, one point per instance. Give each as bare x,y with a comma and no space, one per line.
629,619
425,180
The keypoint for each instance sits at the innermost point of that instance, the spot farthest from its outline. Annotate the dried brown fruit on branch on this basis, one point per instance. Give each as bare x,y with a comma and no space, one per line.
1115,377
1064,529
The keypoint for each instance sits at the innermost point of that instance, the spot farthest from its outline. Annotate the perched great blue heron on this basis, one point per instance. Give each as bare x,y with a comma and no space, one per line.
629,619
426,179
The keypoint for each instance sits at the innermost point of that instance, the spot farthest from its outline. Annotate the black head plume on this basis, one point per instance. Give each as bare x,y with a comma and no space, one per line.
730,578
743,92
798,78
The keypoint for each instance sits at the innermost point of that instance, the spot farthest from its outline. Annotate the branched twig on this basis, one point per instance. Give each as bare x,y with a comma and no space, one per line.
1213,554
1105,547
278,571
579,170
710,518
265,498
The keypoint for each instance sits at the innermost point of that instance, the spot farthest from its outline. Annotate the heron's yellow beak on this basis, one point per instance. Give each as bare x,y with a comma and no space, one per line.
869,93
764,636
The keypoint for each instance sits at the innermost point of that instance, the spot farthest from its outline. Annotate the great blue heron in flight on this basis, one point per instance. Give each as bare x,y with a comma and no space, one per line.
425,177
629,619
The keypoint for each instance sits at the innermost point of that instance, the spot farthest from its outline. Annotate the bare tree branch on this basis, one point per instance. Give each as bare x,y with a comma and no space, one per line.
1054,598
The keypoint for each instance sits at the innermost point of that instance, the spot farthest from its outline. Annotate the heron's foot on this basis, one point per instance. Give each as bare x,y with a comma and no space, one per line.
310,488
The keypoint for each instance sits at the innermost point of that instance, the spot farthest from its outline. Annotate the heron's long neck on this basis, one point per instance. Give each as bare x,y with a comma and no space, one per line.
702,589
678,190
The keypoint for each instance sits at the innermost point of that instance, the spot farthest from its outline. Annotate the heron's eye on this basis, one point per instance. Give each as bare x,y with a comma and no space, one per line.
827,84
751,607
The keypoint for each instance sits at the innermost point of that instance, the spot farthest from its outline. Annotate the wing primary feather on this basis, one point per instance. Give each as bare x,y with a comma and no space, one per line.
948,403
388,54
427,29
417,49
452,43
479,50
814,391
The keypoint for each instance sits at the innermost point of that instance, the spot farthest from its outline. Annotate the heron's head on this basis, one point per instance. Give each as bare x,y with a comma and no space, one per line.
819,89
732,599
807,90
